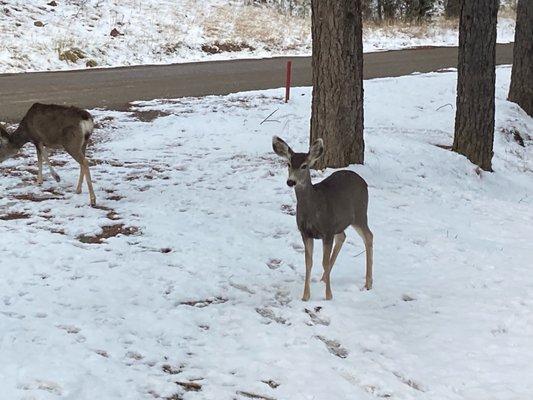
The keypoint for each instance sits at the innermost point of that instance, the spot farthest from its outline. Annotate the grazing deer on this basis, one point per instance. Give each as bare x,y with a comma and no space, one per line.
53,126
326,209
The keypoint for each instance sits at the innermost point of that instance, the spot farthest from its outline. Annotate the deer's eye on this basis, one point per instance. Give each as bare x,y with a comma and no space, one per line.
304,166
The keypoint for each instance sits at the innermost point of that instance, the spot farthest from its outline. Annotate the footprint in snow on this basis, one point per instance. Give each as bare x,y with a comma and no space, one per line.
271,316
334,347
315,318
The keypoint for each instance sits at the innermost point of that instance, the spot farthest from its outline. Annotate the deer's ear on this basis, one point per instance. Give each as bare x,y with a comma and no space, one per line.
316,151
281,148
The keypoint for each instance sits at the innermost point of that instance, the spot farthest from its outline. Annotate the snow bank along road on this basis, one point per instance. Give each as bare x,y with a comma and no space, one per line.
113,88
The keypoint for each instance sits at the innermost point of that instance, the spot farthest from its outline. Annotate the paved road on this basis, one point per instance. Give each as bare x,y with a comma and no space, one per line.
114,87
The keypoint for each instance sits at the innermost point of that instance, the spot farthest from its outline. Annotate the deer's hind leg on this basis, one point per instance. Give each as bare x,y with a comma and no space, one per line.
368,239
76,150
80,179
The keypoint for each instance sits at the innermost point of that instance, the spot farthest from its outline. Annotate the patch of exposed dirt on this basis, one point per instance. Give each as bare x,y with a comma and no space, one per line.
269,314
274,263
407,298
35,198
288,209
111,214
204,303
113,163
115,197
14,215
273,384
409,382
315,318
58,163
334,347
251,395
226,47
175,396
148,115
169,369
190,386
109,231
102,353
106,121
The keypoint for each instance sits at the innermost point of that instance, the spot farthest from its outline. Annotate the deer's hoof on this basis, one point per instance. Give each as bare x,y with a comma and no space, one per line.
367,286
57,178
93,202
305,297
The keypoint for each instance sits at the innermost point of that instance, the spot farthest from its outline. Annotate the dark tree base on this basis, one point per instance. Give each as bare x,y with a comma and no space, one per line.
474,119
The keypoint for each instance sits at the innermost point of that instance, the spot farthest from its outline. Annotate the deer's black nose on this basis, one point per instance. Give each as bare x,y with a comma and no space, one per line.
291,183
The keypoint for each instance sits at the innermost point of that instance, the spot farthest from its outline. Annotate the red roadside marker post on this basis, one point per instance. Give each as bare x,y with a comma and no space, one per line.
288,82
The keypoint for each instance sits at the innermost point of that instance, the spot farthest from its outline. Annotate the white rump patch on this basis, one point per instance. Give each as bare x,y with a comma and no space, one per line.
87,126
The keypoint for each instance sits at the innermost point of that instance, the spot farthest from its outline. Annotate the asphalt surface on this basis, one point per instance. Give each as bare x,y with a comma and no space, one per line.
114,88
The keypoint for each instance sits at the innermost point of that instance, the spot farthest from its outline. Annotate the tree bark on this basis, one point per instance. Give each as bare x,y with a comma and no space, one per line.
474,118
521,90
337,63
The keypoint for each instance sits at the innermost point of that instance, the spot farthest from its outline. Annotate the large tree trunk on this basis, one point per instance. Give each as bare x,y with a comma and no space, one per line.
521,91
337,109
474,119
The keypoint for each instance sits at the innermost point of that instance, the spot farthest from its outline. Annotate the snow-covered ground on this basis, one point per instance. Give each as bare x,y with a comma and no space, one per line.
201,298
71,34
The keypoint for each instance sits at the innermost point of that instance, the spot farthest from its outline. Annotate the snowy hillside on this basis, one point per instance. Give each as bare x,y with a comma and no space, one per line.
69,34
199,298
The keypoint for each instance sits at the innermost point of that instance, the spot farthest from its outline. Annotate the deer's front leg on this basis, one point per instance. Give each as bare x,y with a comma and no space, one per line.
308,244
44,153
39,166
339,240
326,263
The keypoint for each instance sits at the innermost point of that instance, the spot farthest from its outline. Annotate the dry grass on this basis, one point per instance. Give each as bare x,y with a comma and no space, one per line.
508,11
411,29
263,24
421,29
253,25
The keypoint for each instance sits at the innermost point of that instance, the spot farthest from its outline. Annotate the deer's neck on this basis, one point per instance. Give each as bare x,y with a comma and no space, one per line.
304,193
20,137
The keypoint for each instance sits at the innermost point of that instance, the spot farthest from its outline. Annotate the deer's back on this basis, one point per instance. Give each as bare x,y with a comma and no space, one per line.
51,123
339,201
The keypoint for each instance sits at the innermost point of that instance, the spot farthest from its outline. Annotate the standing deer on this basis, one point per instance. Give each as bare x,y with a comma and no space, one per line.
53,126
326,209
